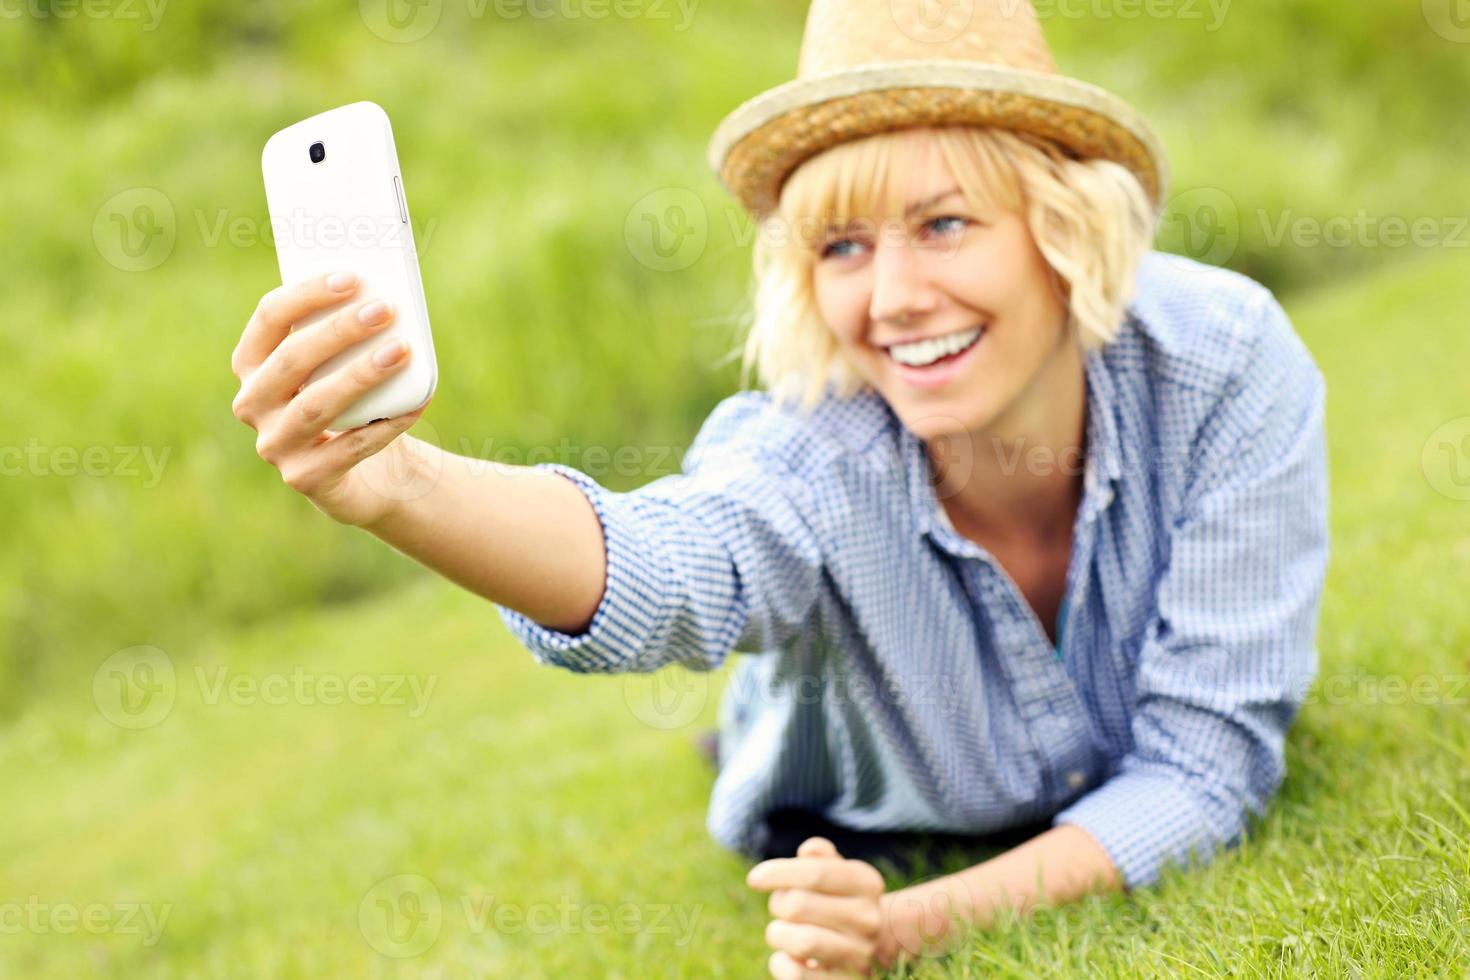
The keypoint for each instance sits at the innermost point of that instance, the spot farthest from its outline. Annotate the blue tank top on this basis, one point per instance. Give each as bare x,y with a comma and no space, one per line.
1061,625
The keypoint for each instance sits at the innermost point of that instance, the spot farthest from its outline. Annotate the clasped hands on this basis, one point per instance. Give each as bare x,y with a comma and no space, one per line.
830,916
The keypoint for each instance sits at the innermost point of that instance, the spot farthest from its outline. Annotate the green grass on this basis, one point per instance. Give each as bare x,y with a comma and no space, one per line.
263,827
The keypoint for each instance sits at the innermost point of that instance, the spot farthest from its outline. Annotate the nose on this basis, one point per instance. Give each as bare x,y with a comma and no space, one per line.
901,293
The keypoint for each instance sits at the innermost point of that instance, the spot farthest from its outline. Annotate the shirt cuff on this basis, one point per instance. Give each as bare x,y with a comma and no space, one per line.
1143,820
634,604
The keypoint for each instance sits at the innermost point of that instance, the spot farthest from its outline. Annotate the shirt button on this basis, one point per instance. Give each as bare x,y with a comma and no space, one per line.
1076,779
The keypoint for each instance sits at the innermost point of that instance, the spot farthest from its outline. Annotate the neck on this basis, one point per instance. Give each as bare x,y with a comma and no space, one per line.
1021,476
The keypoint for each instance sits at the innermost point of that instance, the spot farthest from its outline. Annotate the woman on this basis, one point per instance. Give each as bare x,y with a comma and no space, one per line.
1027,523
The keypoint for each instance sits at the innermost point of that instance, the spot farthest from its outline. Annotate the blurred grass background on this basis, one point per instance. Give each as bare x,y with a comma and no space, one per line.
532,147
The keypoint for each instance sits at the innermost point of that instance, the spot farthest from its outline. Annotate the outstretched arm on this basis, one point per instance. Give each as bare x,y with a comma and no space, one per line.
514,535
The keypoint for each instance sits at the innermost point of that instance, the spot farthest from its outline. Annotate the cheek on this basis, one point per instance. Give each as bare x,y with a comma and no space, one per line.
1006,278
843,303
989,263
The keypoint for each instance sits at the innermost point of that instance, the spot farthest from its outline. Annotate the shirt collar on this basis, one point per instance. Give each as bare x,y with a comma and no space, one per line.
1103,466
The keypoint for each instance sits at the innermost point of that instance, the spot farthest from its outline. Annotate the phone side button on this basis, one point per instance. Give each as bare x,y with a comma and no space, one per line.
398,196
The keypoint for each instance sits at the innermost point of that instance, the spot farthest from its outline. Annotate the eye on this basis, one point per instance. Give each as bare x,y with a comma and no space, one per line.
947,224
839,248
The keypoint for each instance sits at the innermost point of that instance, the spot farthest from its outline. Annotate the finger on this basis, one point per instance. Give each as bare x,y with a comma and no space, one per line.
831,877
832,948
784,967
312,410
817,847
344,451
858,916
279,309
287,367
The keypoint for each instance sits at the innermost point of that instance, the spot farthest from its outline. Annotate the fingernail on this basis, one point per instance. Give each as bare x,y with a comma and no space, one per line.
340,282
389,353
374,312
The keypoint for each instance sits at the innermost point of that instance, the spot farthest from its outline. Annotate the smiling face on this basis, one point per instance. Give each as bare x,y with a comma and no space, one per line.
940,300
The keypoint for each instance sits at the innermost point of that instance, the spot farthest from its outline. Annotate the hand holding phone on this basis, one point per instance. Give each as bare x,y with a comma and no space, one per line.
336,203
357,477
343,344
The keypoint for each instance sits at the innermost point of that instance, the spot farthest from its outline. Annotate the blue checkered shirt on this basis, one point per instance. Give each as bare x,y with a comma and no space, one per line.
896,676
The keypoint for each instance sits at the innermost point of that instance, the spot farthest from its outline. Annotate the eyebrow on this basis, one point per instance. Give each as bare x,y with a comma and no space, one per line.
929,202
911,210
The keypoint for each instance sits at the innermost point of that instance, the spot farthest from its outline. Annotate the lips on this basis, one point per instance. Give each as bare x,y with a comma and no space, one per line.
947,356
919,353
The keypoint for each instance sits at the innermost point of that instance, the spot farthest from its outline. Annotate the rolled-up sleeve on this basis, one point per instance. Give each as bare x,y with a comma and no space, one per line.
1226,663
722,556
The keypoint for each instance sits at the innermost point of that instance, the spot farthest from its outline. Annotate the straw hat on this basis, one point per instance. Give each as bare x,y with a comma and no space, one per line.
869,66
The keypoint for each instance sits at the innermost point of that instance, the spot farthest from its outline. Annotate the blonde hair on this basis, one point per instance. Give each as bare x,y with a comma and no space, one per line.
1091,220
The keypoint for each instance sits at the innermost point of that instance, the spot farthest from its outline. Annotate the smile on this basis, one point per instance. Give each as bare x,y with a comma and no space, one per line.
933,350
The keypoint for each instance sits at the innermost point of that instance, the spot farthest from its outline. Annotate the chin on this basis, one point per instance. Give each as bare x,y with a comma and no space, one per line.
938,420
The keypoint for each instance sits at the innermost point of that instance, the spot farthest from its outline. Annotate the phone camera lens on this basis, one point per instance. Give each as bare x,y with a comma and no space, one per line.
318,153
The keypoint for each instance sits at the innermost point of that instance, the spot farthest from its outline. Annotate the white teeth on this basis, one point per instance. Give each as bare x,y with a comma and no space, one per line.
924,352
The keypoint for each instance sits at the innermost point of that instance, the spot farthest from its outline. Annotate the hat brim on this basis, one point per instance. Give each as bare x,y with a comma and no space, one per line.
762,141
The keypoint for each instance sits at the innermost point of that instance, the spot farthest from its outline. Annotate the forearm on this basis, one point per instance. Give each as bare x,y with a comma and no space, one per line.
525,538
1059,866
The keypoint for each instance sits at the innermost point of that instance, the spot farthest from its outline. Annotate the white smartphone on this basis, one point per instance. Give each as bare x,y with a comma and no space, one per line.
336,202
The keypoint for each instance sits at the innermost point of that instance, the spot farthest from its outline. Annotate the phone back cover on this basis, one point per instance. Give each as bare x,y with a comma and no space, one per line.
348,212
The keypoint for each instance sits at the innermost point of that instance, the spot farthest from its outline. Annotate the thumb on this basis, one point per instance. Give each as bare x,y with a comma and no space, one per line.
817,847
